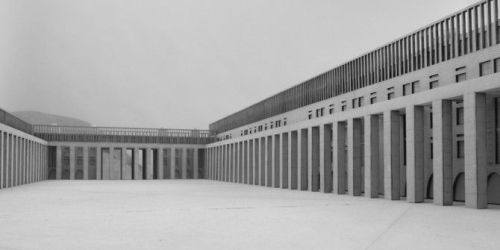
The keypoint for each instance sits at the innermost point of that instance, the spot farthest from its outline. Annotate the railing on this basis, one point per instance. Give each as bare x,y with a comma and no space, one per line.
122,135
12,121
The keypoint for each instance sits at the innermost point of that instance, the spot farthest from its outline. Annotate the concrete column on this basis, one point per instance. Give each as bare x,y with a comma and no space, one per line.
98,162
135,163
276,161
304,159
339,157
210,163
256,162
20,161
172,163
2,157
476,171
15,160
325,158
284,160
195,163
391,155
237,157
223,163
262,157
443,152
218,162
184,163
231,162
124,170
234,163
354,144
71,162
149,164
240,162
415,153
9,160
85,163
371,156
269,161
293,149
247,162
314,159
58,162
251,165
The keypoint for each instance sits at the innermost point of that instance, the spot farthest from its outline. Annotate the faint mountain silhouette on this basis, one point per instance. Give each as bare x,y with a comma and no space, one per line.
35,117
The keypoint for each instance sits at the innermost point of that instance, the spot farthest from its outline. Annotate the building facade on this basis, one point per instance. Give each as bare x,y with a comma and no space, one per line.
416,119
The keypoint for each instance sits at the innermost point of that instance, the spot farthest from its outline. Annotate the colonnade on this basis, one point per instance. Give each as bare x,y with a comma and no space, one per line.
119,162
22,158
349,151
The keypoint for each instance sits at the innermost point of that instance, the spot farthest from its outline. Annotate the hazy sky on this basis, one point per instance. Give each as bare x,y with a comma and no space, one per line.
183,63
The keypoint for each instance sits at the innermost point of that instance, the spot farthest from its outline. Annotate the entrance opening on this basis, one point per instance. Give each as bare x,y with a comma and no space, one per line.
459,188
494,189
430,188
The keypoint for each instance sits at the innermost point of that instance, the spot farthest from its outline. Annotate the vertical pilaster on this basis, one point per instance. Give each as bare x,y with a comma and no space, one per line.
415,153
58,162
354,142
251,164
442,152
98,163
195,163
184,163
314,159
276,161
304,161
339,157
293,149
85,163
136,167
476,175
172,163
263,160
269,161
256,161
392,155
371,156
72,160
325,149
285,160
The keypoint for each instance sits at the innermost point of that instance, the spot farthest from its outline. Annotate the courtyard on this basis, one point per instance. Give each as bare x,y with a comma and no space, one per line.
202,214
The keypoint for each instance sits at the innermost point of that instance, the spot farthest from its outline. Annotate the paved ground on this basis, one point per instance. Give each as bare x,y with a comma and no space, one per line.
212,215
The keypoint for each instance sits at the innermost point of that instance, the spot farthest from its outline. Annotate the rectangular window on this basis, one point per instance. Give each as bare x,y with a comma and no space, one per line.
406,89
415,86
284,122
330,109
433,84
497,130
460,116
278,124
497,65
390,93
310,115
485,68
344,106
460,77
460,149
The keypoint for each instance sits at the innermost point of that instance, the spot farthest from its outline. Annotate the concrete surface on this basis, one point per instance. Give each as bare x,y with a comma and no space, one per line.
200,214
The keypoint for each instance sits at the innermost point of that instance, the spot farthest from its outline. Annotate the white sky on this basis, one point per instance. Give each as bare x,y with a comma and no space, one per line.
184,63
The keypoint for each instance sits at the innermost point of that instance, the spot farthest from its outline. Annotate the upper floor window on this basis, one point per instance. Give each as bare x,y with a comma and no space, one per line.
284,121
461,75
310,115
433,81
373,97
460,116
344,106
390,93
330,109
497,65
485,68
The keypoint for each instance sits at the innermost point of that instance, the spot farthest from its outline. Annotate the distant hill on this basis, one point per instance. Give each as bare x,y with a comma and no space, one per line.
35,117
